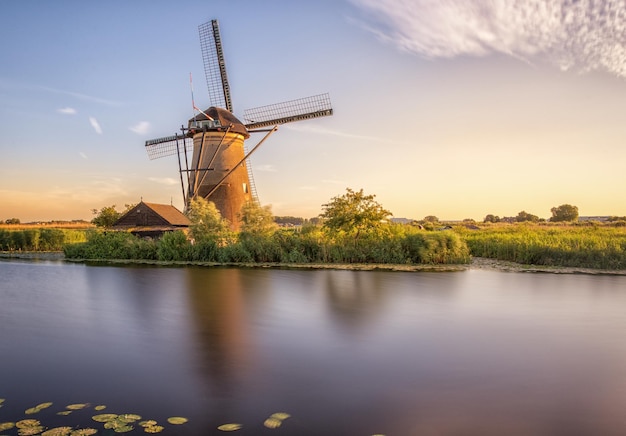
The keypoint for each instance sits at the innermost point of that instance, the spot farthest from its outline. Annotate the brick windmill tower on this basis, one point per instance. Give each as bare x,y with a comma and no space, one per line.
212,153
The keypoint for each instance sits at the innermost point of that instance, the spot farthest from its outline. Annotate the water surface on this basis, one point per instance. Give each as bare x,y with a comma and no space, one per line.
343,352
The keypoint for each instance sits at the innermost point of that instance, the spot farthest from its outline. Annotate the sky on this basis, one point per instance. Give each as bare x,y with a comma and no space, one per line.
452,108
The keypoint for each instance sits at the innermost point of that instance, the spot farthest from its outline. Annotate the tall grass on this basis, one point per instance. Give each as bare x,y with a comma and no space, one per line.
601,247
39,239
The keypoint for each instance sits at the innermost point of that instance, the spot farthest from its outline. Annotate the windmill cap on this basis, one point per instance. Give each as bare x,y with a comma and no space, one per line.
225,119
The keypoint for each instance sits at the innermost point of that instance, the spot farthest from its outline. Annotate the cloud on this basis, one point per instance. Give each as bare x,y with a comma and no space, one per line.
80,96
67,110
583,35
141,128
83,155
96,126
307,128
163,180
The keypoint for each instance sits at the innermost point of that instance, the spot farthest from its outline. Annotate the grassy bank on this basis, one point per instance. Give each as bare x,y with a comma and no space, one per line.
396,245
600,247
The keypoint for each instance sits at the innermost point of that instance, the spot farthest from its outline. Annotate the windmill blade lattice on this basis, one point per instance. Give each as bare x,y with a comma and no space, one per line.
306,108
167,146
214,65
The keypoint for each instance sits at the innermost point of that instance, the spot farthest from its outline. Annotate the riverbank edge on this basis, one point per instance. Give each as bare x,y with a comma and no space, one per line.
476,263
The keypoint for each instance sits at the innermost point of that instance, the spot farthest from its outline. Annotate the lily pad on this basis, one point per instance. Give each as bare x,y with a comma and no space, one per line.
31,431
124,429
177,420
27,423
57,431
280,416
229,427
272,423
100,407
43,405
32,411
113,424
6,425
148,423
105,417
64,412
153,429
83,432
129,417
76,406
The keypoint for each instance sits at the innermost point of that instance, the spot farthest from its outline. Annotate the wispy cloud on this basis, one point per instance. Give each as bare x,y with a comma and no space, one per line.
67,111
96,126
329,132
141,128
163,180
83,155
80,96
583,35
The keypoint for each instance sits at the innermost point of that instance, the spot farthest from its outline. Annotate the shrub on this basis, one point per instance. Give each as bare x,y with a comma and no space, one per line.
174,246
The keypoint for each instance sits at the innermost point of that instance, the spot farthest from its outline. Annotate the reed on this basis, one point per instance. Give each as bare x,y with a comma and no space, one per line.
39,239
595,246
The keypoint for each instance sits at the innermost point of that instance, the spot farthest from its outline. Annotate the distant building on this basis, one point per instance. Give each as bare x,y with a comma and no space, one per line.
152,220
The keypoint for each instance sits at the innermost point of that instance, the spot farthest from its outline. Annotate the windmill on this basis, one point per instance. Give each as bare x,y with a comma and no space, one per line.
213,160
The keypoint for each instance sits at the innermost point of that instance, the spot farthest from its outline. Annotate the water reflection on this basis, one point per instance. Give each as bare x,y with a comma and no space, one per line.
217,312
344,352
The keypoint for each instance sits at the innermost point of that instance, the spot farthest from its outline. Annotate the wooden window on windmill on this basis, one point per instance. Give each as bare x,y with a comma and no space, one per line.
245,188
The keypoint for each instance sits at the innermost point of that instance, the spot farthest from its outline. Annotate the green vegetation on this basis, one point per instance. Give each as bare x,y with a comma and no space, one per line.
398,244
353,214
107,216
39,239
590,246
565,212
352,229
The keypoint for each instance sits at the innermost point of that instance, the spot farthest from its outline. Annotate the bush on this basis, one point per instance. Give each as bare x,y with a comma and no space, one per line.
111,245
174,246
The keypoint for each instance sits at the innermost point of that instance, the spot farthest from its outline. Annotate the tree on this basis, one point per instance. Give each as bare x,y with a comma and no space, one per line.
257,219
491,219
13,221
206,221
105,217
431,219
565,212
354,213
524,216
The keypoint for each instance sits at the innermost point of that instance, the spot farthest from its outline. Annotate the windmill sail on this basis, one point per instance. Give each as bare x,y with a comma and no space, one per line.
288,111
167,146
214,65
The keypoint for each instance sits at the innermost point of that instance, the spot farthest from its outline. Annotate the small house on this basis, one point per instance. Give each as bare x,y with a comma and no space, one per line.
152,220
